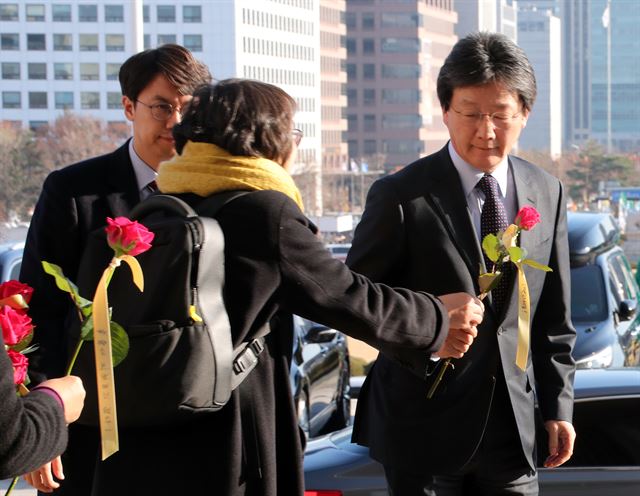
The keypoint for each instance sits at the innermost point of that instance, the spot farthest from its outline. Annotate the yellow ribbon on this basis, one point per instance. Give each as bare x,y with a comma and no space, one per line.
522,352
104,360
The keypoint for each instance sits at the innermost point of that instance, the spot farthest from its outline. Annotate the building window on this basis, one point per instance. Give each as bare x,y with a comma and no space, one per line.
163,39
401,121
35,12
9,41
63,70
352,72
145,13
146,41
114,42
88,13
64,100
400,45
368,71
8,12
61,12
368,21
114,100
368,46
88,42
401,95
37,99
350,20
351,46
89,100
191,13
193,42
112,72
11,100
37,70
89,72
36,42
352,122
114,13
353,148
368,97
62,42
36,126
370,147
369,122
400,20
166,13
352,97
11,70
400,71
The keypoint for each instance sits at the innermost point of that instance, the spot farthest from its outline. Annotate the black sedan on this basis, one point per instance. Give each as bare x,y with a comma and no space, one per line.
604,294
320,377
606,460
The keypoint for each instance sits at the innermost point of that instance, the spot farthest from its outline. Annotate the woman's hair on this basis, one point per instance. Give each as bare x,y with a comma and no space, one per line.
245,117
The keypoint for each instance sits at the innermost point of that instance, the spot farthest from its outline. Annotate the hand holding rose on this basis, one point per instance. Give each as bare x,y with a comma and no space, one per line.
465,314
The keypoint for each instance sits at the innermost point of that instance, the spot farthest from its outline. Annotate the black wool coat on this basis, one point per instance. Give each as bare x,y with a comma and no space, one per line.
275,264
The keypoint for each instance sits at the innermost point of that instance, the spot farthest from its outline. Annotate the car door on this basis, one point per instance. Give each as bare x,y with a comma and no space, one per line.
606,459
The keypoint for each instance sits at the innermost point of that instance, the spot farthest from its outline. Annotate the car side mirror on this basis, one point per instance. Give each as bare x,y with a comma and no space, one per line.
320,334
627,309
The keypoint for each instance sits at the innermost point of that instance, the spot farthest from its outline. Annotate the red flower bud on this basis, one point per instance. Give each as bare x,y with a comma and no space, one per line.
16,325
127,237
20,364
527,218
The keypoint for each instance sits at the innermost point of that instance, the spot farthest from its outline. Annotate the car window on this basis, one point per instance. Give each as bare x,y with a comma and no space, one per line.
15,271
620,283
588,295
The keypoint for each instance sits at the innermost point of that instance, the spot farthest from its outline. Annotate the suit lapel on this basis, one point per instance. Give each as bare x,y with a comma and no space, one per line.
444,189
526,194
122,182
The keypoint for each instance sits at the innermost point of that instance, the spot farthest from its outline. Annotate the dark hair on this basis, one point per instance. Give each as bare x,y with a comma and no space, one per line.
245,117
480,58
174,62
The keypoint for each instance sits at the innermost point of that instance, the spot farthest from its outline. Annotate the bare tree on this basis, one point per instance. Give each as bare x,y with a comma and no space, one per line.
72,138
21,172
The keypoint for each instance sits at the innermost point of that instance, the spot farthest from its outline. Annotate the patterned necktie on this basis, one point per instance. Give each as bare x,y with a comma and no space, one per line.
492,220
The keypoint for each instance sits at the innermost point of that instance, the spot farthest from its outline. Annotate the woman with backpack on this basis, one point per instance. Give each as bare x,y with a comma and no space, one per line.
239,135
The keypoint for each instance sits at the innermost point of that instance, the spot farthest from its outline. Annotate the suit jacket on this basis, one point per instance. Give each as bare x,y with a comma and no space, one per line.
74,201
417,232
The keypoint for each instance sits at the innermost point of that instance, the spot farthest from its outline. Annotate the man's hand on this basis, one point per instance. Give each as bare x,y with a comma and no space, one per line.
71,393
42,478
465,314
562,435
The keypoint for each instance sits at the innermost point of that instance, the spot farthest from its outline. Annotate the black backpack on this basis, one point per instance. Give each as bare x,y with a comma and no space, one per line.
177,367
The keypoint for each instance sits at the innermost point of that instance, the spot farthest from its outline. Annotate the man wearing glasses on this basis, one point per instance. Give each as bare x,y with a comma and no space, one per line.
76,200
421,229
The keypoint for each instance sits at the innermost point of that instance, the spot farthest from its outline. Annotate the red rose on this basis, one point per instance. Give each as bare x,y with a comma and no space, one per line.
20,363
127,237
16,325
527,218
14,287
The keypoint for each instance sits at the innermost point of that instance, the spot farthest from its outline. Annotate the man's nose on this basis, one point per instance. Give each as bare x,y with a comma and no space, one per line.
486,129
175,118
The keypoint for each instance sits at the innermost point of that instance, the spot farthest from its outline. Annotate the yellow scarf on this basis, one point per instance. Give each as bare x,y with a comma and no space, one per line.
204,169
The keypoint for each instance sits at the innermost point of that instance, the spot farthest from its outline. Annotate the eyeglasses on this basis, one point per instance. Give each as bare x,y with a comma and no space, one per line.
162,111
501,120
297,135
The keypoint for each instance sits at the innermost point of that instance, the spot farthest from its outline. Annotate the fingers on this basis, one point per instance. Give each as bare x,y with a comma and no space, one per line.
42,478
56,465
457,343
561,440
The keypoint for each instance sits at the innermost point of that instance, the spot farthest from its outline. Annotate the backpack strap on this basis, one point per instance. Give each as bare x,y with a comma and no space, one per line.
245,356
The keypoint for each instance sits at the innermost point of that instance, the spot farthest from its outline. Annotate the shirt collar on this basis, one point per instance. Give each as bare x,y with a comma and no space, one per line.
469,175
144,173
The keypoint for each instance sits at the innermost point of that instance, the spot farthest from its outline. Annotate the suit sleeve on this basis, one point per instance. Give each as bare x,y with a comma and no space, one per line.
52,237
323,289
32,428
552,333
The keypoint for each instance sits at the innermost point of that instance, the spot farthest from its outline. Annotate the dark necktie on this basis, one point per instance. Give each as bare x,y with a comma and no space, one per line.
151,187
492,220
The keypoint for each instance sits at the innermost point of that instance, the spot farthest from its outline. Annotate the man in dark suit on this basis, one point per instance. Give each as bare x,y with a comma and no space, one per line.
75,200
421,229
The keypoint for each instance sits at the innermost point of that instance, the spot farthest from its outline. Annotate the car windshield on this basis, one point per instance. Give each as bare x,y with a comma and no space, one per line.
588,296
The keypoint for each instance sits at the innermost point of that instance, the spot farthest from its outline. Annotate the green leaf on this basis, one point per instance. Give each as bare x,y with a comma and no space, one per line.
66,285
515,253
86,329
119,343
490,245
536,265
488,281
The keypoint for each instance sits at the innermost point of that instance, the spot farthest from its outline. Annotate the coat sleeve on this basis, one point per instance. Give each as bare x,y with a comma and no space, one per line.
552,332
318,287
52,237
32,428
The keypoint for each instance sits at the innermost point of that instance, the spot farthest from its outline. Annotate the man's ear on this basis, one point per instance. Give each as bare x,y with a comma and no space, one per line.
129,108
